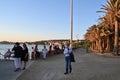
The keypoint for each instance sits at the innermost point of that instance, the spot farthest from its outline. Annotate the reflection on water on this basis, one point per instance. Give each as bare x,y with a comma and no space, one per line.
5,47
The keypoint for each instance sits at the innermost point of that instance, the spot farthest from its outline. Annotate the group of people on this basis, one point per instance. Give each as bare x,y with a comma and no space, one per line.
21,56
36,53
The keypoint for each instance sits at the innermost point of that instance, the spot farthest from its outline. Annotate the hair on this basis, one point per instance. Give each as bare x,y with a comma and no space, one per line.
24,45
17,43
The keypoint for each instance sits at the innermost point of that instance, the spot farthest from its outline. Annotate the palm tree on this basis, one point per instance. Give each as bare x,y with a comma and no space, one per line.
107,27
112,9
92,35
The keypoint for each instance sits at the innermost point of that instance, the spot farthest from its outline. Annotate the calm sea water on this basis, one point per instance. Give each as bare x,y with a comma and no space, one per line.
5,47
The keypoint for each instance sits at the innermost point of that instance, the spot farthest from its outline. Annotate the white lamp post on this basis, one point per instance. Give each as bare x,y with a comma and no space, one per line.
71,22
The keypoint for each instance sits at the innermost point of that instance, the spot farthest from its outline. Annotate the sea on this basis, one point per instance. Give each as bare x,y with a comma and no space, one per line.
5,47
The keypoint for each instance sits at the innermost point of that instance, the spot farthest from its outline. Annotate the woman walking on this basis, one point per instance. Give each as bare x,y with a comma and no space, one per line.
25,56
67,59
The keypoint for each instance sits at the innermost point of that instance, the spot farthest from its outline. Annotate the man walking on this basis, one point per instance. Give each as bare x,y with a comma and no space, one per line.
17,56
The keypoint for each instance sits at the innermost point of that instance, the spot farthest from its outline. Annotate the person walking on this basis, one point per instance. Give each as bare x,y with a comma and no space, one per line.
24,56
44,51
67,59
17,56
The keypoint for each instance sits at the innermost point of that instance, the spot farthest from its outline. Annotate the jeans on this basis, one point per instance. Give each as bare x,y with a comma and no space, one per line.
68,64
17,62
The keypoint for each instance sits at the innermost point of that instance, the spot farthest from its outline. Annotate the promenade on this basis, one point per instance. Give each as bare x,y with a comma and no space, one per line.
88,66
7,70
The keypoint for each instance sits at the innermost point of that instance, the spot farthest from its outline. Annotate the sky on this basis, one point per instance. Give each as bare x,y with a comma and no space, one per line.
35,20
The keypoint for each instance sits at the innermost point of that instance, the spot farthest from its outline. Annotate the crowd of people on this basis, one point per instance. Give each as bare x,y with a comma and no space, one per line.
21,55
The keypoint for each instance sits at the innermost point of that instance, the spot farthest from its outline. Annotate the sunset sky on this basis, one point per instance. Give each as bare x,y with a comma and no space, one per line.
34,20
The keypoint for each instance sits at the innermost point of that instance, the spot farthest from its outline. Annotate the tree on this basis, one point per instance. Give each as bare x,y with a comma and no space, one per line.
112,9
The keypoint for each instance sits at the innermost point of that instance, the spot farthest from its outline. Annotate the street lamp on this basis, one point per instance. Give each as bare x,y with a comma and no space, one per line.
71,22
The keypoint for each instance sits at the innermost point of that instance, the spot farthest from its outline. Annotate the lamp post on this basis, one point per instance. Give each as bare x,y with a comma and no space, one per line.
71,22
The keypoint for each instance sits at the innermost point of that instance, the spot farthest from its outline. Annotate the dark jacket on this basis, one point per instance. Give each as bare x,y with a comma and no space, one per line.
17,51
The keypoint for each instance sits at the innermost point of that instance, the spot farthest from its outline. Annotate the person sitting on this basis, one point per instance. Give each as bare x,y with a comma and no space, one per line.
7,54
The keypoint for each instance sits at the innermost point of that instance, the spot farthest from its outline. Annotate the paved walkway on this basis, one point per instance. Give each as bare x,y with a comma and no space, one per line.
7,70
87,67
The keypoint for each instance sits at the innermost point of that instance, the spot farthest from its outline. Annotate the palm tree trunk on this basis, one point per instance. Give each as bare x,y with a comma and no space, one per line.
108,44
116,37
93,45
97,45
100,46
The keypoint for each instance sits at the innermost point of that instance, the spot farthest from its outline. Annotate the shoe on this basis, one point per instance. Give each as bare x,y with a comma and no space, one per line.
70,71
65,73
16,69
19,68
23,68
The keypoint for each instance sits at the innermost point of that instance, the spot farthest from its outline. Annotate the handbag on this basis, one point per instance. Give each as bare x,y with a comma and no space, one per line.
72,59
